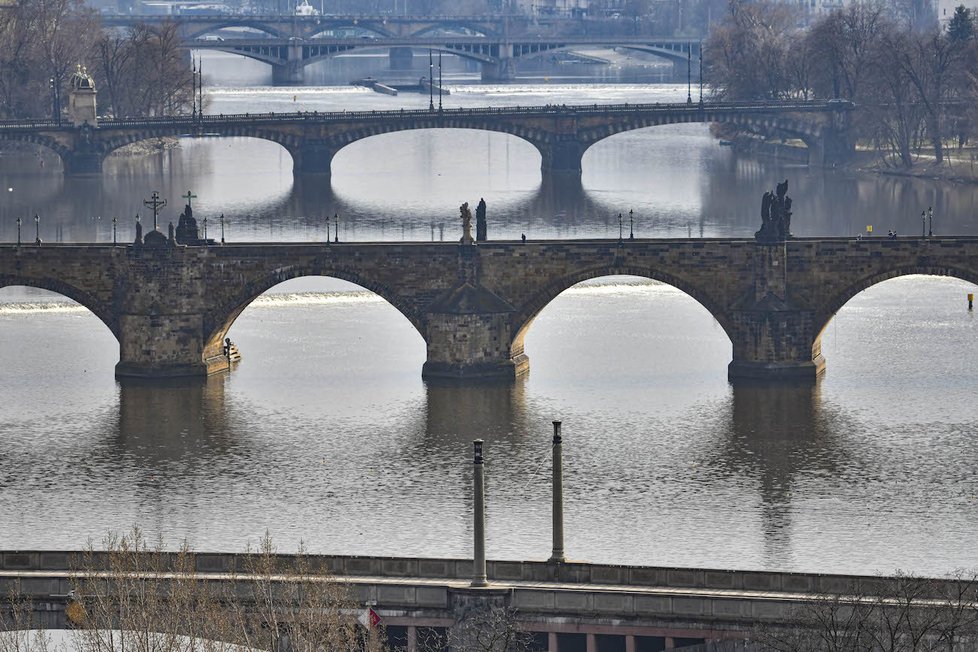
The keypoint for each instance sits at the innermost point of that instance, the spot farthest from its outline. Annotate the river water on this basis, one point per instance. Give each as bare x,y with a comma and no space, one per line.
326,433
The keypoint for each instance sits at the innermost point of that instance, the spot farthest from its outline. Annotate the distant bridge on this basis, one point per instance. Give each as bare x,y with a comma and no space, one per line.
560,133
497,44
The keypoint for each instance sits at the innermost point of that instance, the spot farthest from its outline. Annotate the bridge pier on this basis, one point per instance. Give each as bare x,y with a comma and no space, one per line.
401,58
167,346
503,69
82,163
772,339
291,73
312,158
831,149
563,155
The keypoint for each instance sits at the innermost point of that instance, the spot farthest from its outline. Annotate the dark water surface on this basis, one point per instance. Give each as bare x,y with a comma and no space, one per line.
326,433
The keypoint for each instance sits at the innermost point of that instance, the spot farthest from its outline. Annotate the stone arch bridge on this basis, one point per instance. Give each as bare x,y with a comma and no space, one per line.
171,307
560,133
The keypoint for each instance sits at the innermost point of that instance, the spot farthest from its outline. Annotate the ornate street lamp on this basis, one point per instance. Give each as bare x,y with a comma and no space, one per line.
619,227
631,224
37,229
19,222
222,228
114,221
336,226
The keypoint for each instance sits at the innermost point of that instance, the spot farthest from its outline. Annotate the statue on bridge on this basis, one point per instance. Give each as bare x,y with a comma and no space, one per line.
775,215
187,232
466,215
480,221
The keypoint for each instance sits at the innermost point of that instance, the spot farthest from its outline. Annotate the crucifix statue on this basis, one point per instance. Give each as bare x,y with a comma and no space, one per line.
155,203
189,196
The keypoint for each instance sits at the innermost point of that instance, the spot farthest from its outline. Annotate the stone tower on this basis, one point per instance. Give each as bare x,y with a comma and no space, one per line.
81,98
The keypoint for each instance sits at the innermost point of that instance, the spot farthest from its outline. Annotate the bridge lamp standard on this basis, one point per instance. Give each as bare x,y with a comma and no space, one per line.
222,228
431,82
631,224
689,73
930,221
620,225
19,222
37,229
114,222
205,229
336,228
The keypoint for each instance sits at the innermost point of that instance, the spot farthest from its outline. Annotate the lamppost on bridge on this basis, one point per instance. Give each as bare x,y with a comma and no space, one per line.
620,226
631,224
55,101
689,73
439,81
701,73
336,228
114,222
205,230
98,220
930,221
923,224
37,229
431,82
222,228
19,222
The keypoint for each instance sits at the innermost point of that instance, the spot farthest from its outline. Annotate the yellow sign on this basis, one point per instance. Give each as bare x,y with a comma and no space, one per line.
869,228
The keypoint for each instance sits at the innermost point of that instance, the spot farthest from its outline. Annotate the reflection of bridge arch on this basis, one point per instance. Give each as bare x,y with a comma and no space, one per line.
219,321
79,296
527,313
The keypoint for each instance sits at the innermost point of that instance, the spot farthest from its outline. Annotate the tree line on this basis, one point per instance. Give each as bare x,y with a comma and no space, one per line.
914,83
138,72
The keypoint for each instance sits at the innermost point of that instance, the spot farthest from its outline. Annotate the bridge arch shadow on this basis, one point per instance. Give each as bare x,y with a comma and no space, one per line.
636,288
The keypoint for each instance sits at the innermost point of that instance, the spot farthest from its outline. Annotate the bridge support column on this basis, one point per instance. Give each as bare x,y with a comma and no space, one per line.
503,68
82,163
166,346
772,340
312,158
833,148
290,73
469,333
401,58
564,155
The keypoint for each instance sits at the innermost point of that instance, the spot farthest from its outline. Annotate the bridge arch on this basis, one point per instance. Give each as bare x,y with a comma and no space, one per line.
841,298
529,310
219,321
104,313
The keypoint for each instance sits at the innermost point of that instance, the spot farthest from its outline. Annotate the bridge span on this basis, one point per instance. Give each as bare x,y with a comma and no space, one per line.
171,306
562,134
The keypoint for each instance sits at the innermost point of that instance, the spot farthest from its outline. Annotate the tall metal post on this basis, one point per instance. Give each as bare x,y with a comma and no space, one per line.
439,81
479,518
114,222
19,221
689,73
930,221
222,228
431,82
557,556
37,229
701,73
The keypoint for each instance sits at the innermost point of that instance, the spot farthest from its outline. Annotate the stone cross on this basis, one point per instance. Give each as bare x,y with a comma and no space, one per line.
189,196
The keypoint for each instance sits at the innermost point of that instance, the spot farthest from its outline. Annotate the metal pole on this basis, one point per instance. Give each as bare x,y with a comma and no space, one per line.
37,229
701,73
336,227
114,241
923,224
431,82
439,81
558,501
930,221
631,224
620,225
18,231
479,518
689,73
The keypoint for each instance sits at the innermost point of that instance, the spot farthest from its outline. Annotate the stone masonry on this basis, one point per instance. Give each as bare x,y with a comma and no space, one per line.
171,308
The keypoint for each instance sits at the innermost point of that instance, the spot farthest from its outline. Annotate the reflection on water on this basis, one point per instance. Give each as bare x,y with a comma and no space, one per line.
325,431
